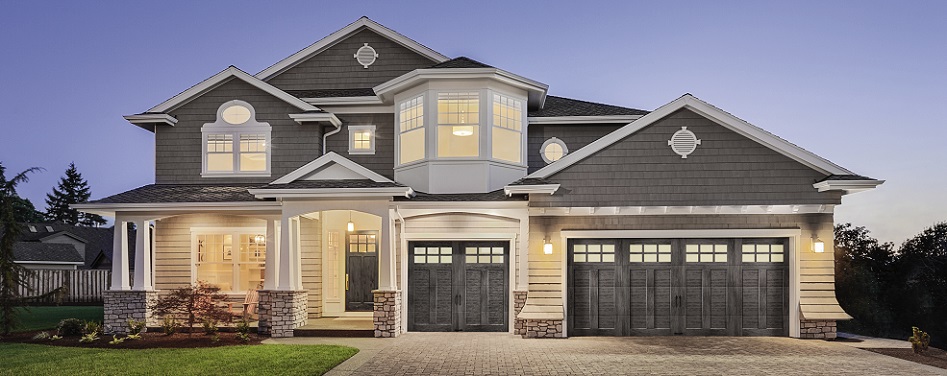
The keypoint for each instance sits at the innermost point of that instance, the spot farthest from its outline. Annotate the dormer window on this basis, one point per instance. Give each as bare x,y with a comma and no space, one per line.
236,144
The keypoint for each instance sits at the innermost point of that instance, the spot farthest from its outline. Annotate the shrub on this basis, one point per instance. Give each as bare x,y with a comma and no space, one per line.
92,327
41,336
919,340
89,338
135,327
133,337
243,327
169,325
55,338
197,302
210,326
243,337
70,327
115,340
215,338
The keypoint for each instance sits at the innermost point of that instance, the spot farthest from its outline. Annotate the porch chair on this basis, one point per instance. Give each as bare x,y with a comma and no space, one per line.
249,306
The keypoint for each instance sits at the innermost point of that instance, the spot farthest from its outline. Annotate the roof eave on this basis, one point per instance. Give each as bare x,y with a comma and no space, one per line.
290,193
320,117
848,186
527,189
536,90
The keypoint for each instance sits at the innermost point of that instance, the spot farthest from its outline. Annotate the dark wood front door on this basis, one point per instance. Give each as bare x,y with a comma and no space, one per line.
361,270
458,286
678,287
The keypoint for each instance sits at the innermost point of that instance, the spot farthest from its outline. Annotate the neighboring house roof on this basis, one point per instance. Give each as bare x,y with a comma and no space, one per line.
98,240
497,195
559,106
461,62
341,34
333,93
167,193
50,252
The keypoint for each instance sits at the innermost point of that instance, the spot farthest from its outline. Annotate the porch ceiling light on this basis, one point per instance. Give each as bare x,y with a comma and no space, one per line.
351,226
818,246
463,130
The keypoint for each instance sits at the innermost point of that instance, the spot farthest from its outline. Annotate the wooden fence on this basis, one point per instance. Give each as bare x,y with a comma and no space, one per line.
81,286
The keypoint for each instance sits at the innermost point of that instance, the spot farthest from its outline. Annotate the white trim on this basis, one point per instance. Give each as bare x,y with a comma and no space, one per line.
249,127
527,189
344,101
536,90
553,140
222,77
372,139
623,119
331,157
681,210
196,231
110,209
849,186
50,262
316,117
341,34
332,192
713,113
151,119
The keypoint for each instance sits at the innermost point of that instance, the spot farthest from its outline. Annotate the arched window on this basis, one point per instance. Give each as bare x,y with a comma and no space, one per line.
236,144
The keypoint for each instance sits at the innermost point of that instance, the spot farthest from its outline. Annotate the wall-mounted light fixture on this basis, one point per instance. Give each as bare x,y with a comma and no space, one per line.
260,239
818,246
547,247
351,226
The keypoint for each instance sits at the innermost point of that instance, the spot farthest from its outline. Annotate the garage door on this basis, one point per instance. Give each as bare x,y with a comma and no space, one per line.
458,286
678,287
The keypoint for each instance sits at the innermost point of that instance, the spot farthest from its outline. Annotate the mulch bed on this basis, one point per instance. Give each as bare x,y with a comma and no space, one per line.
932,357
150,340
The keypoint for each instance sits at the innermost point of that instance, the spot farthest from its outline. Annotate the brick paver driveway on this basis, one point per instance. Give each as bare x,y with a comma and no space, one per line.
504,354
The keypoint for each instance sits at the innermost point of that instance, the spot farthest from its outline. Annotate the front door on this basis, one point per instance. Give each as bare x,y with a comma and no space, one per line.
361,270
458,286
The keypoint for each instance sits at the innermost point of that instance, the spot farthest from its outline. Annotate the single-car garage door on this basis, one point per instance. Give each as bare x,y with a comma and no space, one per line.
678,287
458,286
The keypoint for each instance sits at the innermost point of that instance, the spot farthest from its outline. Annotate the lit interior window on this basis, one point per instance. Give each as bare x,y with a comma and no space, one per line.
219,152
363,140
507,128
252,152
553,150
232,267
411,118
236,114
236,143
458,125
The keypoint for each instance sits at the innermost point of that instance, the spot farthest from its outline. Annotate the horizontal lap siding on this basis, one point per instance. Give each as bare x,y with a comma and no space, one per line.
726,169
336,68
173,245
382,162
178,148
574,136
310,241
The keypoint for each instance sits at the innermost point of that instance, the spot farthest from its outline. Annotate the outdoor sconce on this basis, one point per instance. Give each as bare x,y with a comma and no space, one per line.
818,246
547,248
351,226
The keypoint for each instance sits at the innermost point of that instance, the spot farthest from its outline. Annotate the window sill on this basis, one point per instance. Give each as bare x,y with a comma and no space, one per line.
235,175
361,152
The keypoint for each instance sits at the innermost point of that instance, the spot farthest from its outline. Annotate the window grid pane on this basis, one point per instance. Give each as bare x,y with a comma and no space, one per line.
507,112
484,255
232,267
412,114
650,252
593,253
362,140
763,253
705,252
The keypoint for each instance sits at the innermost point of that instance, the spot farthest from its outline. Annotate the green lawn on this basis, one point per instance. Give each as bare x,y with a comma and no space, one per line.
27,359
39,318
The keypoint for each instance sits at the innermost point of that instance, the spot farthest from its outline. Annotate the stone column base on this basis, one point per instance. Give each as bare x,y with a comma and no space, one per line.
281,311
121,306
543,329
387,316
817,329
519,301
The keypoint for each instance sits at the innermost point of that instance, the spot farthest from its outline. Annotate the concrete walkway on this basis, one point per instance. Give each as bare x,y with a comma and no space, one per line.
863,342
504,354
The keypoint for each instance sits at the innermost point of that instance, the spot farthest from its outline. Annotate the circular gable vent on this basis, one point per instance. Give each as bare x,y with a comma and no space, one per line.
683,142
366,55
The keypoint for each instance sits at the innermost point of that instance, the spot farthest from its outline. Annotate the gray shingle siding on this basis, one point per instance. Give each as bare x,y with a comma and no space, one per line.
336,68
575,136
382,162
726,169
178,148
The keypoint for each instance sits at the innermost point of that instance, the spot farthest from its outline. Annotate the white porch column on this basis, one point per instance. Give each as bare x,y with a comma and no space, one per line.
522,239
386,268
143,269
120,255
271,263
288,273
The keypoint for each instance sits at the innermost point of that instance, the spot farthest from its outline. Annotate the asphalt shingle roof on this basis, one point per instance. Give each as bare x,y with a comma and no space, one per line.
559,106
98,240
34,251
332,93
164,193
346,183
461,62
531,181
846,177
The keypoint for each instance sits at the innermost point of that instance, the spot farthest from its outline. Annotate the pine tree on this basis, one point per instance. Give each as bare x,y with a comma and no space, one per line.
10,272
22,209
72,189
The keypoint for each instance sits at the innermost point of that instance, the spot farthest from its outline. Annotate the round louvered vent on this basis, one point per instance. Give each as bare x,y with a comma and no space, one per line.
683,142
366,55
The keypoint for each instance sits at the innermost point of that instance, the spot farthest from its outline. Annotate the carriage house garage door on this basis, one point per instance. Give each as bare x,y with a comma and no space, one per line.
728,287
458,286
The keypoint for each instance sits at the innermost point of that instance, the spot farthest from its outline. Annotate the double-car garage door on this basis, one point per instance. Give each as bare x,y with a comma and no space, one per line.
678,287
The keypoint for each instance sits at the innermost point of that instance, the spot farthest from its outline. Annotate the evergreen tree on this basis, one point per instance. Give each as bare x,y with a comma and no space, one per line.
10,272
22,209
72,189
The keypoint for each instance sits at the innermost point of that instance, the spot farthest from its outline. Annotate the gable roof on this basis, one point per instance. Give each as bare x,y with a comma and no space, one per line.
707,110
50,252
331,39
221,78
461,62
326,160
560,106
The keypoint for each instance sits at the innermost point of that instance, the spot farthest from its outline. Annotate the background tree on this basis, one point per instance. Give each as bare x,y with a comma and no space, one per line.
10,272
72,189
23,210
918,295
861,270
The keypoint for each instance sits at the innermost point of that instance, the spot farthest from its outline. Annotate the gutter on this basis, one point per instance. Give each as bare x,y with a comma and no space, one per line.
325,137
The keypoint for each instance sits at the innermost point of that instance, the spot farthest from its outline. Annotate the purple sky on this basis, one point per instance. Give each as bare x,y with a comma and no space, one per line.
863,84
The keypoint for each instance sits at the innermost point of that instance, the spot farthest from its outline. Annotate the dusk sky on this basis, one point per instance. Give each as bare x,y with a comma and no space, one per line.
863,84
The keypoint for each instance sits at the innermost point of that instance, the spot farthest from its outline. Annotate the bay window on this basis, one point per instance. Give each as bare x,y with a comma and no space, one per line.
236,144
233,261
507,129
411,119
458,125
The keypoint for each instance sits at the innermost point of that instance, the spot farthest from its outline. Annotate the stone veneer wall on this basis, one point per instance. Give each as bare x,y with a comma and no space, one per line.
543,329
121,306
387,316
519,300
281,311
817,329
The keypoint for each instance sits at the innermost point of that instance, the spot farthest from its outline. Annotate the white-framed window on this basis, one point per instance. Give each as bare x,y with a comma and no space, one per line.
553,150
411,128
458,124
361,139
507,137
232,260
236,144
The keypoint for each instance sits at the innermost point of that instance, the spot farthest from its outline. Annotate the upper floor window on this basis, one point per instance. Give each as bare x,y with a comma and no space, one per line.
361,139
507,128
553,150
458,124
236,144
411,119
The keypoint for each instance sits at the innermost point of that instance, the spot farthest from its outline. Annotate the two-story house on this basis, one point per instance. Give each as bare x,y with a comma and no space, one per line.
370,177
